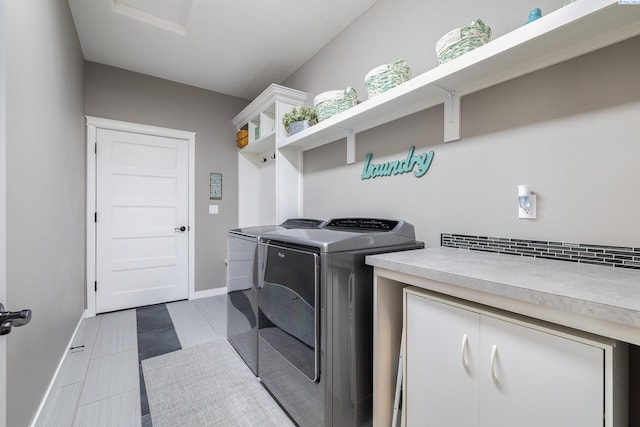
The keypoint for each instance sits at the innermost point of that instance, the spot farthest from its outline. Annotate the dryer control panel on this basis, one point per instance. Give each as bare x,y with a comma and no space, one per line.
361,224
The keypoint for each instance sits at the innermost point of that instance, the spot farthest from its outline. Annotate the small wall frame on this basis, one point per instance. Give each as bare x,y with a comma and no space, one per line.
215,186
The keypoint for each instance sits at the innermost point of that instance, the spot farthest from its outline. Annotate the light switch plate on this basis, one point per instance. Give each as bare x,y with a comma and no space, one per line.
213,209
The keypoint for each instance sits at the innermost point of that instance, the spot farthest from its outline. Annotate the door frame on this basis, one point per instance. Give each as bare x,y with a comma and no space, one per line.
95,123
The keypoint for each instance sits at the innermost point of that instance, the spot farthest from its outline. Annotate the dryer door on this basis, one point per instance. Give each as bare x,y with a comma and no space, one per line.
287,301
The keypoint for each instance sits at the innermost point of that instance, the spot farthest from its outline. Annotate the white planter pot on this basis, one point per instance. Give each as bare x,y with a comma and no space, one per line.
296,127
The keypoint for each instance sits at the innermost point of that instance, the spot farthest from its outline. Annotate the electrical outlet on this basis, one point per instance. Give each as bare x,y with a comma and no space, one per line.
530,212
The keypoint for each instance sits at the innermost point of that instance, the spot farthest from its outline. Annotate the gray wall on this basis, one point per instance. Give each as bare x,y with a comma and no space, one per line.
3,208
403,29
569,131
124,95
45,175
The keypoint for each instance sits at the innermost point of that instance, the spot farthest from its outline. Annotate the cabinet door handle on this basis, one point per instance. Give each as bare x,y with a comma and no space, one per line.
465,341
494,356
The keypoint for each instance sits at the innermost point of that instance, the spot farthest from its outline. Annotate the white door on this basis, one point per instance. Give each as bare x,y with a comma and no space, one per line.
142,199
540,379
442,363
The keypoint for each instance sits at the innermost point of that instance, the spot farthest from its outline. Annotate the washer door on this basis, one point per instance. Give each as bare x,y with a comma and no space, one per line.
287,301
242,298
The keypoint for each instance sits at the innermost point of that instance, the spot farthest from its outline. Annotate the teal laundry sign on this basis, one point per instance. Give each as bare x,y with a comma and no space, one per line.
417,163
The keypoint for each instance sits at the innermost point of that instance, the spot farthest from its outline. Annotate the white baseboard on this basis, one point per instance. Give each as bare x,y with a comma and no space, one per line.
209,293
55,375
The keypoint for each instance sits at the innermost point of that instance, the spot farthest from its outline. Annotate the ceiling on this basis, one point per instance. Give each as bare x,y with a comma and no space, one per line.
235,47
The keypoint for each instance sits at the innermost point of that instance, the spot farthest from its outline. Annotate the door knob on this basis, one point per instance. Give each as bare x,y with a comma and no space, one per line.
8,319
180,229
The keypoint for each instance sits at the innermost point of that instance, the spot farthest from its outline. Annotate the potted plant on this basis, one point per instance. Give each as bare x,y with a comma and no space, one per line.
299,119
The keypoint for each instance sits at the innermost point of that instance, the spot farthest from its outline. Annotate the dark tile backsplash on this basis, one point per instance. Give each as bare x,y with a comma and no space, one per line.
613,256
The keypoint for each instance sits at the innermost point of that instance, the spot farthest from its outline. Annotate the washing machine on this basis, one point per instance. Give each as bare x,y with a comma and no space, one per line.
315,317
242,304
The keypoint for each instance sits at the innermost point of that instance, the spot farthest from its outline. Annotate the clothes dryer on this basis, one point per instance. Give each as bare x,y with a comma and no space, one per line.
315,317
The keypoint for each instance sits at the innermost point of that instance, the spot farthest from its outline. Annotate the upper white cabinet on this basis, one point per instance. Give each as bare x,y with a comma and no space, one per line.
466,365
573,30
269,181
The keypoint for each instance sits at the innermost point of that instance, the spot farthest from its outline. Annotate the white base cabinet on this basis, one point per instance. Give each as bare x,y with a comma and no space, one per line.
468,366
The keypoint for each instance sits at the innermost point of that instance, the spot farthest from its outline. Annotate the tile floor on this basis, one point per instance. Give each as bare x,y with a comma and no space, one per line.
101,381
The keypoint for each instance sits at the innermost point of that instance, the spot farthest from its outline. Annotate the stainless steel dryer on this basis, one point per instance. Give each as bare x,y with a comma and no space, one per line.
315,317
242,301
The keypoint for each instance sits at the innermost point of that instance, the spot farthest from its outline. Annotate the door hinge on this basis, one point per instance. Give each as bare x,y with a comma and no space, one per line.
95,217
95,148
95,286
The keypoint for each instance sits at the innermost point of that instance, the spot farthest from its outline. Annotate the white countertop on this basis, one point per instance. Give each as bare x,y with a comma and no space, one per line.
603,293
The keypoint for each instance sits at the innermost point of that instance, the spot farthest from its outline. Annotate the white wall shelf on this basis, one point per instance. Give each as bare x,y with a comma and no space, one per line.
271,192
263,145
571,31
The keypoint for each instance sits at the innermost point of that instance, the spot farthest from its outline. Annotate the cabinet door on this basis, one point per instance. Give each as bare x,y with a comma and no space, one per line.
538,379
441,387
